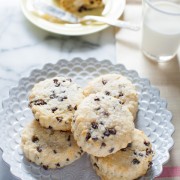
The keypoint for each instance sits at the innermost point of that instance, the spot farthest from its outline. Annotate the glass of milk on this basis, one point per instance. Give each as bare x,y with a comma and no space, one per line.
161,29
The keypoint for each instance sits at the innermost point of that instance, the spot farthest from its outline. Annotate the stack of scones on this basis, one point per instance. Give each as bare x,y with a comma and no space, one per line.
98,120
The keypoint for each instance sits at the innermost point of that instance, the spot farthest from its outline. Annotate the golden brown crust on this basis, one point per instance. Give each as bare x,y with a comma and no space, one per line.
80,5
127,164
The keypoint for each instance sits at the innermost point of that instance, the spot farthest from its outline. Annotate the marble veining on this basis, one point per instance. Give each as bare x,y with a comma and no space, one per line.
24,47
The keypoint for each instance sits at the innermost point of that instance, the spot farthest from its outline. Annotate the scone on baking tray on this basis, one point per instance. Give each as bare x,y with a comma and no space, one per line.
80,5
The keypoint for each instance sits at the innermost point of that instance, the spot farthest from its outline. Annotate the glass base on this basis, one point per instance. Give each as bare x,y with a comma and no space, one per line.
158,58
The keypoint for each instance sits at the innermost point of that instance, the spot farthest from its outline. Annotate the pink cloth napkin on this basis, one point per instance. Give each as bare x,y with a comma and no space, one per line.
170,172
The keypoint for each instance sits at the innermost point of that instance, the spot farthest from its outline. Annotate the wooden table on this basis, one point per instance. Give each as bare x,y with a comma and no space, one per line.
165,76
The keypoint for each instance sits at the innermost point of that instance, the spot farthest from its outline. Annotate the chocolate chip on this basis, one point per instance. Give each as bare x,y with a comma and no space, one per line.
95,165
148,151
150,164
107,93
110,131
135,161
54,109
111,150
37,120
55,81
59,119
104,82
123,149
50,127
53,96
106,133
103,144
69,138
70,108
54,151
105,113
94,125
67,159
94,138
75,107
62,98
79,153
39,149
88,136
45,167
35,139
146,143
139,154
82,8
121,94
101,123
81,149
57,84
58,165
91,2
96,99
129,145
39,102
121,102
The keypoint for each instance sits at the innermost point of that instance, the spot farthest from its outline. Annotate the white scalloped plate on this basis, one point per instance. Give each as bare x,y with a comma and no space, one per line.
153,118
116,10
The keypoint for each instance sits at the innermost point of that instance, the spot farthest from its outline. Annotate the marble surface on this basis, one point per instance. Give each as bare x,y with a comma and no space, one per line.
24,47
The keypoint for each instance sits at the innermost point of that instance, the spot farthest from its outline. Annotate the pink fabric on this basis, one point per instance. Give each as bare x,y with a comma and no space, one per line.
170,172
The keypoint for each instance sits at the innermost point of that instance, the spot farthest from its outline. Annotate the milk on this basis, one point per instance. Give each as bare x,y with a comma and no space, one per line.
161,32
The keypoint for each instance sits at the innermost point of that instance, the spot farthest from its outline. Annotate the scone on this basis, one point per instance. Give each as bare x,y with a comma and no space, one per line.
117,86
127,164
48,148
101,125
80,5
53,102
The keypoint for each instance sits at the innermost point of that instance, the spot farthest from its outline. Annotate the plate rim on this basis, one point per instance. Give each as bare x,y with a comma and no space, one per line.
92,30
83,60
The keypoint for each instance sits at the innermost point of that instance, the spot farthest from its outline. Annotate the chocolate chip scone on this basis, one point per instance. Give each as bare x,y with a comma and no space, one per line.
80,5
117,86
127,164
48,148
53,102
101,125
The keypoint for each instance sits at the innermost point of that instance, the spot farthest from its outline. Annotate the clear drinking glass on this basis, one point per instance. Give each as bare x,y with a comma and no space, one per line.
161,29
